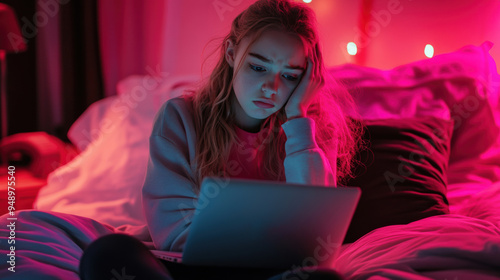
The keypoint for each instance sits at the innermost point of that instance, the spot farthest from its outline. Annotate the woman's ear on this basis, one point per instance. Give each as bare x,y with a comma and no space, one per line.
230,52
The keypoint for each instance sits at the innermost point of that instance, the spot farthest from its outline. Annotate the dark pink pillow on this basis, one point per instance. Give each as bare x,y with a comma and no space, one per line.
402,173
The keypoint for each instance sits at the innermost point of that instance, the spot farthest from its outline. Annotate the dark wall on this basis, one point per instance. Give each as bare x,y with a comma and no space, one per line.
21,74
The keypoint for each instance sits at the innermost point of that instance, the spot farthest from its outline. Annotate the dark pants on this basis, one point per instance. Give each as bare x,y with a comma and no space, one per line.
122,257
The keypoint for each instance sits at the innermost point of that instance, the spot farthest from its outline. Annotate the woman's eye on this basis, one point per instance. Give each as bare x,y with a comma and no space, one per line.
257,68
290,78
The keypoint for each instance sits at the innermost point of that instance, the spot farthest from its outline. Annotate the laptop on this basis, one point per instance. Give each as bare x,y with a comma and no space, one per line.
266,224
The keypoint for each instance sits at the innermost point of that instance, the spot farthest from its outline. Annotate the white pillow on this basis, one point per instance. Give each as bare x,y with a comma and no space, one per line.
104,182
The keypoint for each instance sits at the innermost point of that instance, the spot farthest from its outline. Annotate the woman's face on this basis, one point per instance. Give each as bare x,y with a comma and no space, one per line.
269,73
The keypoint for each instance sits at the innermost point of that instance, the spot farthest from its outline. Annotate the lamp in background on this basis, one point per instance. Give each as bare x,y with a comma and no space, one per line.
10,41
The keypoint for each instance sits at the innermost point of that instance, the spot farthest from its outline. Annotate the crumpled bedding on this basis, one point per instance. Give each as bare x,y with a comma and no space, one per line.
439,247
48,245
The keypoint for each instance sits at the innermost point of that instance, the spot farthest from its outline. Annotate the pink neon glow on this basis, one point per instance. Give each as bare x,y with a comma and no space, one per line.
169,40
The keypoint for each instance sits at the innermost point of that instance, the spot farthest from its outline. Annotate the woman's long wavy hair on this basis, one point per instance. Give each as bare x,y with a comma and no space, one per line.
336,133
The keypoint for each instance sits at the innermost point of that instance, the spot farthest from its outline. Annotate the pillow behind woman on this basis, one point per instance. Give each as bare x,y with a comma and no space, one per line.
402,173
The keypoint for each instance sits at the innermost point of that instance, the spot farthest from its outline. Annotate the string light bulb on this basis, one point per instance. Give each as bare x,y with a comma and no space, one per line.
429,50
352,49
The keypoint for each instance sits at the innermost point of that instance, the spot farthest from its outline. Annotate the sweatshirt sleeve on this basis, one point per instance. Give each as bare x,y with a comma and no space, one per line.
305,161
169,196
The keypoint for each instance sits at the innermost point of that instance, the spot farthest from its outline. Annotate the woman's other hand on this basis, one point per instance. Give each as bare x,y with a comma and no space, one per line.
310,84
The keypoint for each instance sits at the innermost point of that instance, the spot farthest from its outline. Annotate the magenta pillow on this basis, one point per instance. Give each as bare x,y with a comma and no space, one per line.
463,86
402,173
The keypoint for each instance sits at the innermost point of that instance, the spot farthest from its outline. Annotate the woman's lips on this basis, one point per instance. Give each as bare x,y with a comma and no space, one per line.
263,105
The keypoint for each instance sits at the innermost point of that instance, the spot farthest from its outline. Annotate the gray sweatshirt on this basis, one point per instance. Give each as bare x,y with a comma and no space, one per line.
169,196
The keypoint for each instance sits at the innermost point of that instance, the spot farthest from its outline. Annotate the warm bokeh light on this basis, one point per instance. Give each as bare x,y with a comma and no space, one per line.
307,1
429,50
352,49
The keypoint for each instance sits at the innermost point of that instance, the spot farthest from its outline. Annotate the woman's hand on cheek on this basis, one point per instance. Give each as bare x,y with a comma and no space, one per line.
303,95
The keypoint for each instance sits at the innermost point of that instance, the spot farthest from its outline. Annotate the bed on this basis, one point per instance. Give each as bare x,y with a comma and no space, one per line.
430,175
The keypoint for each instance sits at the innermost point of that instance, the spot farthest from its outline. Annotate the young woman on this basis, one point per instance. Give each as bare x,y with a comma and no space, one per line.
268,111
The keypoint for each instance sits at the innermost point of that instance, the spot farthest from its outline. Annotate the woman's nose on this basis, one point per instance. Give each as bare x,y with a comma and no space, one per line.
271,86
